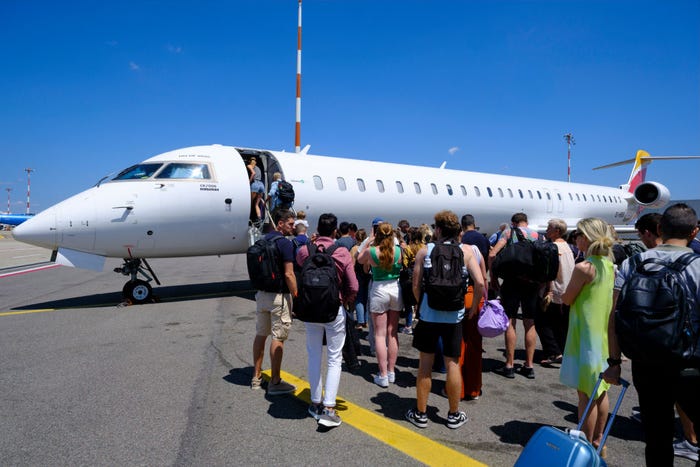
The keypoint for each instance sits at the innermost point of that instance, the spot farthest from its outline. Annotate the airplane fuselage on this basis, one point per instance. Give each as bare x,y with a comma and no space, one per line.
166,214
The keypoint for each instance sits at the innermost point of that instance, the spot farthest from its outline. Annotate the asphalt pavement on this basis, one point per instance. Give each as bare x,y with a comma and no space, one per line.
85,380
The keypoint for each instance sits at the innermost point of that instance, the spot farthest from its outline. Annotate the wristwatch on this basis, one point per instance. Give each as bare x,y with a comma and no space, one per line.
614,361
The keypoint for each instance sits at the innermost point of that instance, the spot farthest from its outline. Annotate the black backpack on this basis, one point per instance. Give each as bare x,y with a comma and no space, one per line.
445,277
285,194
265,266
656,313
533,261
546,261
318,297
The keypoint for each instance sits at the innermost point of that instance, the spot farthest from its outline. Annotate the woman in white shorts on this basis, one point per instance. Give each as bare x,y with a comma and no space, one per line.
385,300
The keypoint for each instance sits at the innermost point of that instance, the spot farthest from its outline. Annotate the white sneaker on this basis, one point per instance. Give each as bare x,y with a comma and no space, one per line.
392,376
329,418
457,419
685,449
381,381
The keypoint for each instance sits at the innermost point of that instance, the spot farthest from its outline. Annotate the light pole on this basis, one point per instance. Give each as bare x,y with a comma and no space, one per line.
8,200
29,172
569,142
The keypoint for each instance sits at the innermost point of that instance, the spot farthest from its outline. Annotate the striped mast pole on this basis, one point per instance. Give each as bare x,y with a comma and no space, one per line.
569,141
8,199
297,132
29,172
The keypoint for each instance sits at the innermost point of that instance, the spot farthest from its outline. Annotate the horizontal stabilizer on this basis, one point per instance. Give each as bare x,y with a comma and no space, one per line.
650,158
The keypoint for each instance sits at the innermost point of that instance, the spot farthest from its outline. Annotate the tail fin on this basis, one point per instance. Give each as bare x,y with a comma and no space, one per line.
639,171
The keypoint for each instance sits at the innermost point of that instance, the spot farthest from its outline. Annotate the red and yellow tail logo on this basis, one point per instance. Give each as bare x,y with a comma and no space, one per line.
639,172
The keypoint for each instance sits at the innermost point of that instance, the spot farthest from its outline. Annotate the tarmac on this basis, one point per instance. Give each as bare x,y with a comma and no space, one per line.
86,380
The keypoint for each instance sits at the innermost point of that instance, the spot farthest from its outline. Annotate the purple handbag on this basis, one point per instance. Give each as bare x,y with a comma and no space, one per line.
493,320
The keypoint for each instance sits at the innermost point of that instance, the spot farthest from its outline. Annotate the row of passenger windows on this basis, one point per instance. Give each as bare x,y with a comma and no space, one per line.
477,191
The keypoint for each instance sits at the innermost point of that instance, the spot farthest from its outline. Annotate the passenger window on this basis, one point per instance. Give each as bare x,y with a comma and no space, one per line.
488,190
529,192
599,198
559,197
510,193
449,189
380,186
416,186
136,172
464,190
434,188
571,197
477,191
341,184
520,192
578,198
399,186
549,197
584,197
539,195
361,184
500,192
318,183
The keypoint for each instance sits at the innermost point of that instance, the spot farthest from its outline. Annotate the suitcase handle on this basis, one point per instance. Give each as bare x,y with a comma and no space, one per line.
625,384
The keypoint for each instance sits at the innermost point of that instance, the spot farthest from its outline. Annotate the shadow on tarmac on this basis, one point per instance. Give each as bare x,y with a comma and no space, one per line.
516,431
176,293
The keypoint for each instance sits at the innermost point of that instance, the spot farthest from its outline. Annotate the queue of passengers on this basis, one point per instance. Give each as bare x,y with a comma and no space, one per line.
571,314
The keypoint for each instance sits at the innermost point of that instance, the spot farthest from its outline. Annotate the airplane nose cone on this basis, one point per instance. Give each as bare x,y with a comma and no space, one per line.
40,230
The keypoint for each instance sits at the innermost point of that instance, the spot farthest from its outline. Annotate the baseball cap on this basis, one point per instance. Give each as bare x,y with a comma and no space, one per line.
377,221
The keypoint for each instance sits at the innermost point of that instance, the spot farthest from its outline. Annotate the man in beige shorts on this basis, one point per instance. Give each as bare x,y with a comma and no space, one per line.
274,309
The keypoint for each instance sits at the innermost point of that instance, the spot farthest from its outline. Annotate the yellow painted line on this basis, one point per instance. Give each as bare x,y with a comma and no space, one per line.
26,312
403,439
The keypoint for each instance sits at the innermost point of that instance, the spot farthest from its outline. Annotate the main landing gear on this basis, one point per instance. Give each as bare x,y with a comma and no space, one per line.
136,290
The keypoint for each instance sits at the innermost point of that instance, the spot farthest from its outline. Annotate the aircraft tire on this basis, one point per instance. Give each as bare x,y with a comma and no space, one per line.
137,291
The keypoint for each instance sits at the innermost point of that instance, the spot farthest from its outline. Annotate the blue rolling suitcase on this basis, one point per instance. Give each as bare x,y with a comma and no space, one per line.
553,447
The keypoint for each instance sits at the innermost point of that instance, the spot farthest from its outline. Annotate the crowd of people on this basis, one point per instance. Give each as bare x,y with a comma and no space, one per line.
389,274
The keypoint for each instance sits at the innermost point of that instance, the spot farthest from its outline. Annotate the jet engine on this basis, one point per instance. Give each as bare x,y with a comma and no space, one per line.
652,195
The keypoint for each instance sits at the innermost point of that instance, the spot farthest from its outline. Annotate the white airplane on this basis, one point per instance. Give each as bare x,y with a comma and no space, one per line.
196,201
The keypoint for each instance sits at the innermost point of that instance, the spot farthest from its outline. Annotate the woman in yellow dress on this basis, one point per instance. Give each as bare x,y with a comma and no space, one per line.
586,351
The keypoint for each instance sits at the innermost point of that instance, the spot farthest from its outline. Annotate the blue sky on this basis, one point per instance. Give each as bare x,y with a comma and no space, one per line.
89,88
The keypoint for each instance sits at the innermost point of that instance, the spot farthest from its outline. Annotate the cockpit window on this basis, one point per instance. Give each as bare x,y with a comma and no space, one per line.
180,170
137,172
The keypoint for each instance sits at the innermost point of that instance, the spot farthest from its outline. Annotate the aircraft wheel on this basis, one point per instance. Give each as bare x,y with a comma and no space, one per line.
137,291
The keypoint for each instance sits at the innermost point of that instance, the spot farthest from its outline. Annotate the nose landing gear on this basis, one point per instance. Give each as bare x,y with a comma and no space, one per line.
136,290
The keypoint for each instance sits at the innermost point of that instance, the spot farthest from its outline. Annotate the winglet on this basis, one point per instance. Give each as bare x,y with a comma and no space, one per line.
305,151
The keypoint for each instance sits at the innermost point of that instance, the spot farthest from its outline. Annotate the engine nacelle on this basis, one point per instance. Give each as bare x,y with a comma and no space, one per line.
652,195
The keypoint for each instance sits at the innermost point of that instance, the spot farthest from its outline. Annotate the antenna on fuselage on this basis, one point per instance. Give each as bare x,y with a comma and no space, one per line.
297,130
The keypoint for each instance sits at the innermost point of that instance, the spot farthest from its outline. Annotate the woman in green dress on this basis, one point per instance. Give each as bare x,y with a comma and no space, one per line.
590,295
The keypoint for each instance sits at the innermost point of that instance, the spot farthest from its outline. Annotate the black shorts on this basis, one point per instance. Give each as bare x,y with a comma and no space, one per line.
426,335
519,294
